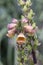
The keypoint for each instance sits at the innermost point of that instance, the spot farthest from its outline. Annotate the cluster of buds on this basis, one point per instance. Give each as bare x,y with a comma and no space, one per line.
26,29
25,2
27,11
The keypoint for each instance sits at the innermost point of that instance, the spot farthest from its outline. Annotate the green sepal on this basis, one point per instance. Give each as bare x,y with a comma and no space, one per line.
29,48
25,58
34,25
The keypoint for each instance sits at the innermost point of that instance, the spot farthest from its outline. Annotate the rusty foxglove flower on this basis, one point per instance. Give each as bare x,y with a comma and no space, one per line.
21,39
11,26
29,29
11,33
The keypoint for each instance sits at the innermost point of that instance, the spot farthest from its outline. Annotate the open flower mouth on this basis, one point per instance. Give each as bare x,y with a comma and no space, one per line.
21,39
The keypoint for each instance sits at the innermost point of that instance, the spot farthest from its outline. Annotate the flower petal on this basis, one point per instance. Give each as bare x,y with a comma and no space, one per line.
12,25
29,29
14,20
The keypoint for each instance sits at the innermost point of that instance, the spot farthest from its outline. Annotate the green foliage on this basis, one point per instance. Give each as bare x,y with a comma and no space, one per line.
1,63
29,48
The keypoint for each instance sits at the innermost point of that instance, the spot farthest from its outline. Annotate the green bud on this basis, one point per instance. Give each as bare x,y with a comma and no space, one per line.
29,16
22,16
28,3
29,48
34,25
21,2
21,64
36,42
31,12
25,8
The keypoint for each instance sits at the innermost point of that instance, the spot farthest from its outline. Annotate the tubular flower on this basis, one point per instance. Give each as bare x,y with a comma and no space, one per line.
11,26
21,39
14,20
10,33
25,20
29,29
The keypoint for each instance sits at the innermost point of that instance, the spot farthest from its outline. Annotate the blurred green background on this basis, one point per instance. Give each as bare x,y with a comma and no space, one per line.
9,9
